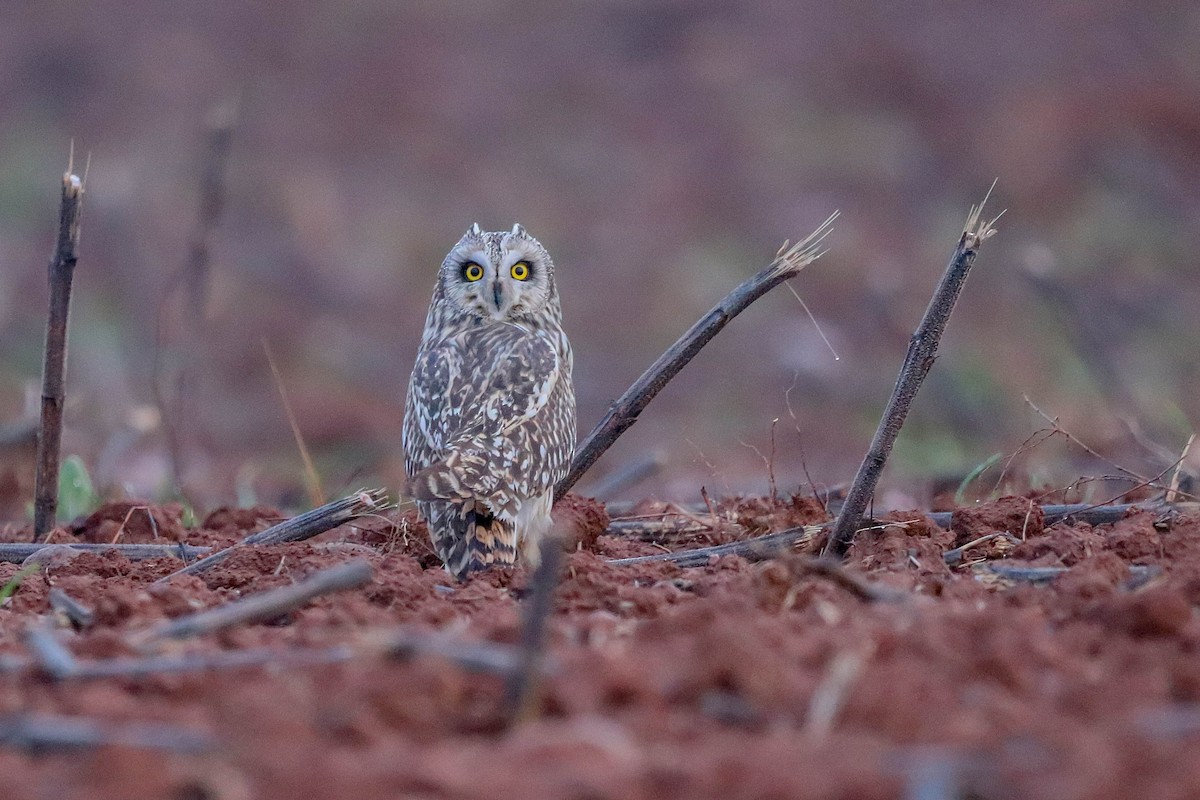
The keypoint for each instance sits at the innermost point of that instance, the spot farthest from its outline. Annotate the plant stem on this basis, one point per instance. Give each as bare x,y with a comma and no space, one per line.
54,365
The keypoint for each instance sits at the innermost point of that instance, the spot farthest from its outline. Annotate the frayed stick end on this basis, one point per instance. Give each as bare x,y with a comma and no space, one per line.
975,231
791,258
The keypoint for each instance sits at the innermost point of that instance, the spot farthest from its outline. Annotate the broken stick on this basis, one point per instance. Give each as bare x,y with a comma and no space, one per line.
623,413
260,607
296,529
54,365
524,681
922,350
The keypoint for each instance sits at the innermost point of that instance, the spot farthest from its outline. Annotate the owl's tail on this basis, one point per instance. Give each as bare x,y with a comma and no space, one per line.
475,539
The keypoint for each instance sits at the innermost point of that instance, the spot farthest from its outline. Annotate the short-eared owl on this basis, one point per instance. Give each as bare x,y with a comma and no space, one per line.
489,423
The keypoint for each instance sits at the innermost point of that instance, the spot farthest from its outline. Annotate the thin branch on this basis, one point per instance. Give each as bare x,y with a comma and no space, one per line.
75,612
625,411
857,585
52,732
480,656
774,544
54,365
54,658
954,556
296,529
1139,574
922,350
18,552
760,547
260,607
522,693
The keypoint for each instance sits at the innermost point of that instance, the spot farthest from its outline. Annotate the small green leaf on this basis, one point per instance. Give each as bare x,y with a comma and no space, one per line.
76,495
14,583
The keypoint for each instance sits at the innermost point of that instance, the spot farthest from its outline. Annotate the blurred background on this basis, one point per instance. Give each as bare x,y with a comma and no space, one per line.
661,151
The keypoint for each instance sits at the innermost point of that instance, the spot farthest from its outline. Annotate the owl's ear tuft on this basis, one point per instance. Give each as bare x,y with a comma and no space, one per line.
474,230
518,230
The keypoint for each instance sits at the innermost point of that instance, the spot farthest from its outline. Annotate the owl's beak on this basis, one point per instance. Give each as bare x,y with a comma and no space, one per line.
498,294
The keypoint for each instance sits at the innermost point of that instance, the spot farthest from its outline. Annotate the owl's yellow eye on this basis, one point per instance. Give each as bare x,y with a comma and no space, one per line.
520,270
472,271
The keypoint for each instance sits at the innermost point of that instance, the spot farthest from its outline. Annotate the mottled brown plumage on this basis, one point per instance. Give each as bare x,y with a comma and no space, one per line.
489,425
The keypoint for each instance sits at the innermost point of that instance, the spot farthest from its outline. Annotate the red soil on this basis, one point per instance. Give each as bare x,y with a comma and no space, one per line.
735,679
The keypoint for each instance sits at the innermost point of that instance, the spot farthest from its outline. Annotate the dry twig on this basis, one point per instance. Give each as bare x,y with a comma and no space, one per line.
774,544
760,547
70,609
50,732
296,529
17,552
922,350
624,412
50,654
482,656
54,366
260,607
523,682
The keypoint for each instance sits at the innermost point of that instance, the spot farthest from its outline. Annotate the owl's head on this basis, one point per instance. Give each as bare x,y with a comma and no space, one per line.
500,276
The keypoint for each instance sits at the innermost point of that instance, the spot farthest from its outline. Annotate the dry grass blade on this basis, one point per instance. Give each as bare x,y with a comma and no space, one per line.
312,481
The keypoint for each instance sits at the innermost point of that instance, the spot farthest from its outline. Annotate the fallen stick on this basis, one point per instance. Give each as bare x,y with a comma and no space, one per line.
956,555
296,529
922,350
857,585
16,553
624,412
521,693
49,653
1139,574
772,544
75,612
482,657
54,364
260,607
41,732
677,523
1076,512
757,548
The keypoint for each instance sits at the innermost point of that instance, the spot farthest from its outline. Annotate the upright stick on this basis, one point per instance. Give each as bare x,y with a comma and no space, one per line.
922,350
62,270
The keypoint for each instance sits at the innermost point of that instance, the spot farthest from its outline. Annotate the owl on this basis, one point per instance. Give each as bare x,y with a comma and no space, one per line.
489,420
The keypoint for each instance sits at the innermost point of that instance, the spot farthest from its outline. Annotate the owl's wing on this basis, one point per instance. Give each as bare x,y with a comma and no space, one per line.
487,388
